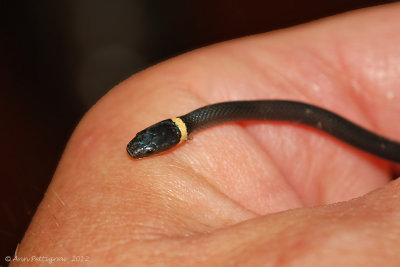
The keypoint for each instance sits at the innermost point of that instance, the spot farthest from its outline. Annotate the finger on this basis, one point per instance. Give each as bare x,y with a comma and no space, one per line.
361,232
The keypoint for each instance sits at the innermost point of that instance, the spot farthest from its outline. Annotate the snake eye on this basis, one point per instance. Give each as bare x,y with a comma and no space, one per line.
149,149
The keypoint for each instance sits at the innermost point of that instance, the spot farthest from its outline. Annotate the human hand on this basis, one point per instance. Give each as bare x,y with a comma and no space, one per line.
238,194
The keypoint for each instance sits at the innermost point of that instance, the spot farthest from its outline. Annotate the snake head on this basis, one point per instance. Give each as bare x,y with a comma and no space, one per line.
154,139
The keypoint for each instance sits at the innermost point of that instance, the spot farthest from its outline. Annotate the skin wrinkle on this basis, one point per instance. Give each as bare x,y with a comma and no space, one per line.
282,52
290,82
295,129
361,107
212,186
271,74
273,160
259,75
200,153
188,169
183,220
361,79
317,63
364,111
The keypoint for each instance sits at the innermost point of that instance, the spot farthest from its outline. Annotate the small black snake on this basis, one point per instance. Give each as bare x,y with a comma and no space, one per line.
169,133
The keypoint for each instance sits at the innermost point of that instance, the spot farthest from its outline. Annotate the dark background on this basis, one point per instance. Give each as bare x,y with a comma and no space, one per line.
57,58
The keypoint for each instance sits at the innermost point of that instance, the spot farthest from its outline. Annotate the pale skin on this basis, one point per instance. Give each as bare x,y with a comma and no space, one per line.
245,193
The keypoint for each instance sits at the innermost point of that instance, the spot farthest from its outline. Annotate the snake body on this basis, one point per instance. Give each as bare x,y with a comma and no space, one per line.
169,133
